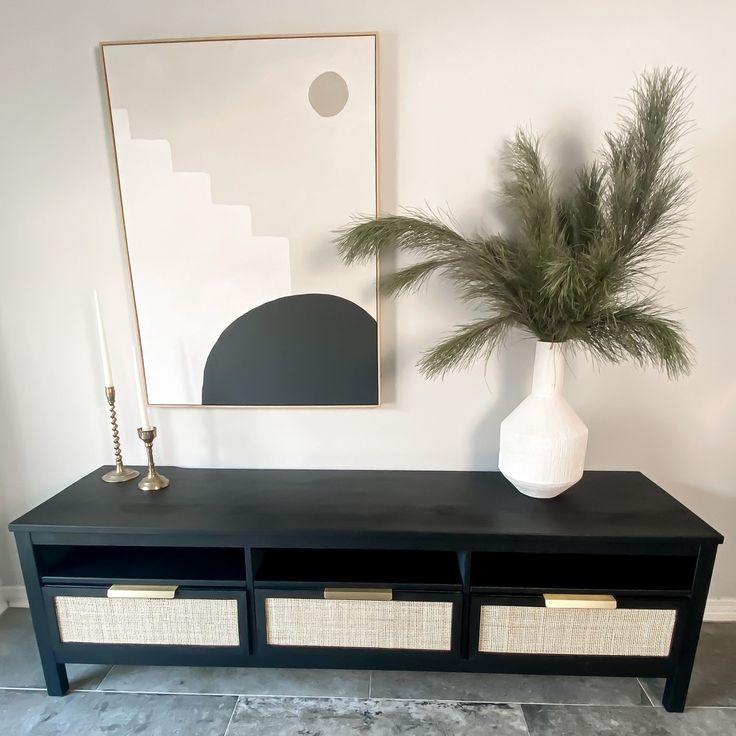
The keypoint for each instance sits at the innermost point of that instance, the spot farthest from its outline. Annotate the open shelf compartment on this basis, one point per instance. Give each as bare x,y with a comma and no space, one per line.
107,565
546,572
279,567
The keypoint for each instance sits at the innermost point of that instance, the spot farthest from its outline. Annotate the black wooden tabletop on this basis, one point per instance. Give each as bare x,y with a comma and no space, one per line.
370,505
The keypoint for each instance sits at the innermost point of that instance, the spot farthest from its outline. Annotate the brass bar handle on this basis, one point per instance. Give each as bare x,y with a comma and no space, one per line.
358,594
584,600
142,591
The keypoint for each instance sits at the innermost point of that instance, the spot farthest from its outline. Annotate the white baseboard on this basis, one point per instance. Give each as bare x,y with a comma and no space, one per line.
13,596
717,609
720,609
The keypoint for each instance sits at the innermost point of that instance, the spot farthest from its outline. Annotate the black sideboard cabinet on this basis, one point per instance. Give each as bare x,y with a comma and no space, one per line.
449,571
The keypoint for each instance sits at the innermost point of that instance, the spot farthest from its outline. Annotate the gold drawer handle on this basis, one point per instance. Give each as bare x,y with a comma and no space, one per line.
142,591
358,594
570,600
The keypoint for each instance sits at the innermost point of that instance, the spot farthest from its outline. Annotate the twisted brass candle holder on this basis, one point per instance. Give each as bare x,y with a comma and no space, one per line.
121,473
153,480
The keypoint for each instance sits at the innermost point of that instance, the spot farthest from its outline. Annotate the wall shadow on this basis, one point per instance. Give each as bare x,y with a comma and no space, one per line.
509,377
388,92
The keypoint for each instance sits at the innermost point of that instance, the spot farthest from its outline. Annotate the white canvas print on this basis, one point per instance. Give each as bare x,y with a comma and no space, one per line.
237,160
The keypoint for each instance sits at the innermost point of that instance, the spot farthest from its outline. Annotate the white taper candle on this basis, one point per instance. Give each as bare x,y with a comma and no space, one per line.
103,343
142,409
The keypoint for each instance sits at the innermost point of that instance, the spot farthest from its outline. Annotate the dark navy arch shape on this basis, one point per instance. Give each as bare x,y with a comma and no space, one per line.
300,350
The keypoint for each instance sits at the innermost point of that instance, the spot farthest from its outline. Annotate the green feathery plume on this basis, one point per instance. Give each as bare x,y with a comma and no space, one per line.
579,265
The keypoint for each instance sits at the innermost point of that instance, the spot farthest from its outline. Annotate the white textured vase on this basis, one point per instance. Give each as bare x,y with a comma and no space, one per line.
543,440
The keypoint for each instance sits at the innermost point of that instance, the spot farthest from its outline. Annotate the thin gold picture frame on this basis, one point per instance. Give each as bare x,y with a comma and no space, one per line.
373,34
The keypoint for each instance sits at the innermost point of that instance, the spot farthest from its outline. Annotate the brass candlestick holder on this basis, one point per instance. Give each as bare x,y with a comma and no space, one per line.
153,480
121,473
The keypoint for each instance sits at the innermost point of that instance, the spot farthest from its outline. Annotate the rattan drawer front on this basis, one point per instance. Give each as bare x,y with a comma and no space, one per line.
180,621
622,632
313,622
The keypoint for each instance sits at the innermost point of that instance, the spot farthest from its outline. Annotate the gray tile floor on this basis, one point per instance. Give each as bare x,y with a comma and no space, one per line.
168,701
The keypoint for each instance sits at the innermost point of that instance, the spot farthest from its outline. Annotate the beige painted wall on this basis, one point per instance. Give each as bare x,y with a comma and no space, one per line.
455,79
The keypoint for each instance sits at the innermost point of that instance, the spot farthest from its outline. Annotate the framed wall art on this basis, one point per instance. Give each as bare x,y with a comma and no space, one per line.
237,159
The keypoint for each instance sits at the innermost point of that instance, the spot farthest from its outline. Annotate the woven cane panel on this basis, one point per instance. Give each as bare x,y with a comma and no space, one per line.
313,622
622,632
186,621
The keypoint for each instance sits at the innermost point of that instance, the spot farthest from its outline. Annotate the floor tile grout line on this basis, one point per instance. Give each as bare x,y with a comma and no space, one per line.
157,693
523,718
99,684
710,707
593,705
232,715
518,702
648,696
290,696
240,696
298,696
193,694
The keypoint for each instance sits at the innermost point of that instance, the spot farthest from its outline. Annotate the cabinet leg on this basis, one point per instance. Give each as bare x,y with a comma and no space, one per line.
675,691
57,683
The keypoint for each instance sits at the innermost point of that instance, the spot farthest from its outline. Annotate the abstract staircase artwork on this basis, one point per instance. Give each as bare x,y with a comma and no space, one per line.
239,295
195,263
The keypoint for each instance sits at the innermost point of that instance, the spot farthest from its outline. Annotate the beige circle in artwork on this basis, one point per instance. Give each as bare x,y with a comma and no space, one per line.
328,94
